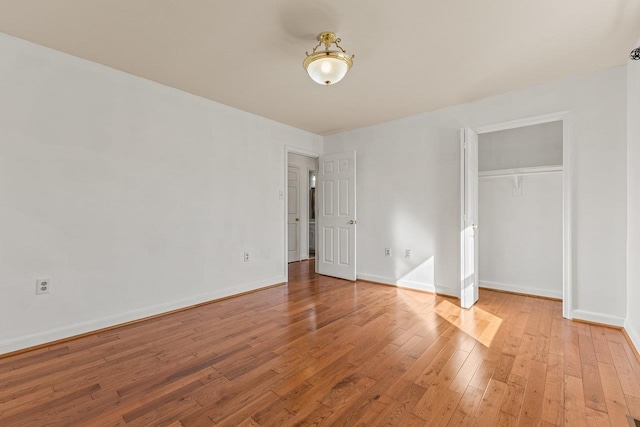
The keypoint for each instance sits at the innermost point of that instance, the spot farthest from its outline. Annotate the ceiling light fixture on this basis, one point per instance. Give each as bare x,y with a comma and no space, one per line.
635,54
327,67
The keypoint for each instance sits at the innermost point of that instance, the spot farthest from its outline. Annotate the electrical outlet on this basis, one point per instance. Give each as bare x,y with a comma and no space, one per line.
407,253
387,251
247,257
43,286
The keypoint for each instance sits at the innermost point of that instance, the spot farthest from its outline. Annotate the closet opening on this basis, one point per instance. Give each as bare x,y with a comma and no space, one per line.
520,210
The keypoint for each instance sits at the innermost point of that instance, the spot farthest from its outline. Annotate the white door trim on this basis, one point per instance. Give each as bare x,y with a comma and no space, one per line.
567,192
295,150
518,123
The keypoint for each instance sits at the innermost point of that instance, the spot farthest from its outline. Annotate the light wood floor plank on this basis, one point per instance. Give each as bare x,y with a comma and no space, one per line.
320,350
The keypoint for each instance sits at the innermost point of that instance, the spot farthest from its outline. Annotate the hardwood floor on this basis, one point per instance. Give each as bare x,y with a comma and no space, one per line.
325,351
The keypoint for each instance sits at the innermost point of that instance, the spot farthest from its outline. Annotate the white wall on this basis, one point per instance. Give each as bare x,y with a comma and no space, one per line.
528,146
632,324
520,238
408,188
306,164
132,197
135,198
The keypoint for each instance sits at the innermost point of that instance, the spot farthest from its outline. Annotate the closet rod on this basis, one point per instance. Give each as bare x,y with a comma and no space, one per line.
502,173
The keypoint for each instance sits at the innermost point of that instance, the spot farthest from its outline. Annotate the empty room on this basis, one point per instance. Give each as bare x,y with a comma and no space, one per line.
292,213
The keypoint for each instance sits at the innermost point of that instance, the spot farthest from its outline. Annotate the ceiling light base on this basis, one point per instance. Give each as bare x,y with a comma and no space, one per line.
327,38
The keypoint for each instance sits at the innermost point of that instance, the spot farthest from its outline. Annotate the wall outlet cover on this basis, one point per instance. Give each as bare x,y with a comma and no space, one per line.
43,286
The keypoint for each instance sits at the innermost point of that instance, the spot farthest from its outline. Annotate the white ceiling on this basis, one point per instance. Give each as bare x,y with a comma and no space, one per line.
412,56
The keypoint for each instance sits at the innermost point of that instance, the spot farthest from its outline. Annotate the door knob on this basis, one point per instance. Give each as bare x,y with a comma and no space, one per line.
297,219
352,222
474,226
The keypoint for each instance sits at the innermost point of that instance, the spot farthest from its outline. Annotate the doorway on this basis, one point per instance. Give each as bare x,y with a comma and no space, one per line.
516,228
320,221
301,210
520,210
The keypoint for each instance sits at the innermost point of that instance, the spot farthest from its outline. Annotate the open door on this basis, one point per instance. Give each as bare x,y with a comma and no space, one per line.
469,220
336,221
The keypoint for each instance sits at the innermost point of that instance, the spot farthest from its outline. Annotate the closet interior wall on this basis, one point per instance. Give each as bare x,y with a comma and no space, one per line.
520,210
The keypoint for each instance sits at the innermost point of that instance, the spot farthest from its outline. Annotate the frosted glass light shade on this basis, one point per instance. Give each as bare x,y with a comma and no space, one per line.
327,70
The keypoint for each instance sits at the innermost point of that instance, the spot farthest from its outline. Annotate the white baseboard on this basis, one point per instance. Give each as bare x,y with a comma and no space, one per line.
633,333
374,278
55,334
605,319
520,289
427,287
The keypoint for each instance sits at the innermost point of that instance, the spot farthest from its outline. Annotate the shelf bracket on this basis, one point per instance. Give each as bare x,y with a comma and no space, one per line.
517,184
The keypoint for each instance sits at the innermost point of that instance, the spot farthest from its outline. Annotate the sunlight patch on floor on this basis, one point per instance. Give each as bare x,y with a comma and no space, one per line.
475,322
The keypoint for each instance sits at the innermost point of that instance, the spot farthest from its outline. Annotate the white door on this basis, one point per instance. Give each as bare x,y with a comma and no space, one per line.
293,213
336,220
469,242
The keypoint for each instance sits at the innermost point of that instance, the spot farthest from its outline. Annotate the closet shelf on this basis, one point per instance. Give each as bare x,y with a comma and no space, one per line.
504,173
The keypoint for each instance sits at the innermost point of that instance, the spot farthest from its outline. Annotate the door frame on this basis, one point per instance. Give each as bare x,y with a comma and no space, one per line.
303,152
567,192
